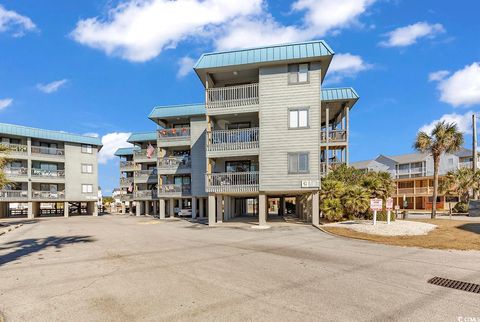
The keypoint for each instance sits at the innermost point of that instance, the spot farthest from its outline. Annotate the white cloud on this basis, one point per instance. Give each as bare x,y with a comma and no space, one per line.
185,66
92,134
139,30
462,87
14,22
111,142
463,121
6,102
408,35
438,75
346,65
52,87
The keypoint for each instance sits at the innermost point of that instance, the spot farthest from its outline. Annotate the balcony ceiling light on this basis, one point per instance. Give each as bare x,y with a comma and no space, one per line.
235,73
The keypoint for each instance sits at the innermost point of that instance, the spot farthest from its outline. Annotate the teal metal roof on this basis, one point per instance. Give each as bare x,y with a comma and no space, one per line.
308,49
143,137
18,130
333,94
124,151
159,112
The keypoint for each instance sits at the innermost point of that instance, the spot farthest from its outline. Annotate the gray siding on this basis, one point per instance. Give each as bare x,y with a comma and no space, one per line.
276,140
74,178
198,127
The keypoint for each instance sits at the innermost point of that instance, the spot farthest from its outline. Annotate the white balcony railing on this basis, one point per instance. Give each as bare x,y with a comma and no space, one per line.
13,194
145,175
325,168
175,162
468,165
17,149
233,181
333,136
144,155
126,182
16,172
232,96
48,173
227,140
47,151
174,189
145,194
174,133
128,166
50,195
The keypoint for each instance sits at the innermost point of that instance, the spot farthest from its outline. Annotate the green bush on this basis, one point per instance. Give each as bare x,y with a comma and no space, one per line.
461,207
381,215
332,209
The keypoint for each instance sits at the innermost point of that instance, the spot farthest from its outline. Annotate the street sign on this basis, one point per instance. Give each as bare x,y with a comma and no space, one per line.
376,204
389,204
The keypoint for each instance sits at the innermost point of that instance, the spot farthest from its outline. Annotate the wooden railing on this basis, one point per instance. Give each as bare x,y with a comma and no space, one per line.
233,181
232,96
16,172
48,173
226,140
50,195
13,194
174,133
15,148
47,151
416,191
174,189
333,136
145,194
175,162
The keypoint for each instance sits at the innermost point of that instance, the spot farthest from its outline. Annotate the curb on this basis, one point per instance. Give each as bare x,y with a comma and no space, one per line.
6,230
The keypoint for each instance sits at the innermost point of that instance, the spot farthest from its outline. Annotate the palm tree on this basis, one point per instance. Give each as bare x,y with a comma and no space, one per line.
356,200
379,184
462,182
445,138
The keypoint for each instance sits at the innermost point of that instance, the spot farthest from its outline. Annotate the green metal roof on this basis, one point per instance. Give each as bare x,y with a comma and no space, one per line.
308,49
159,112
143,137
124,151
334,94
18,130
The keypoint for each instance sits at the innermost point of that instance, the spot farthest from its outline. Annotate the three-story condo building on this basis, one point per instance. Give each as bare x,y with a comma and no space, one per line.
267,130
49,172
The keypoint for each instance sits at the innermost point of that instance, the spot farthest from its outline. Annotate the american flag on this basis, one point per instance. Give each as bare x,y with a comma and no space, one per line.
150,151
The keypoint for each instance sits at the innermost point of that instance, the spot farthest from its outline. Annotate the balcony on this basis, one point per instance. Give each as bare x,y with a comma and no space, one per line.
13,194
174,137
334,136
16,172
144,176
241,140
414,191
128,166
142,156
325,168
54,174
126,182
15,149
410,173
466,165
175,190
126,197
234,99
46,151
233,182
145,194
174,164
48,195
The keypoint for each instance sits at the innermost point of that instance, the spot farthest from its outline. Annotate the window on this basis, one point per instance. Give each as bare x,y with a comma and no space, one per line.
237,126
87,149
87,168
450,161
237,166
298,118
298,73
298,162
87,188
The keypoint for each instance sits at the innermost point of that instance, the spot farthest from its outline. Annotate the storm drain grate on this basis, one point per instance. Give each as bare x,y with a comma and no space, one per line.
457,285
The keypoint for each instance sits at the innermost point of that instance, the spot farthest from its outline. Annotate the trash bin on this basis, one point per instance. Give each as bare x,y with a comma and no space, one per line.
405,214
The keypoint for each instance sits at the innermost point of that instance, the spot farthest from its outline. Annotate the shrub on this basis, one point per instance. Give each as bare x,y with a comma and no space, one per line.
355,201
461,207
332,209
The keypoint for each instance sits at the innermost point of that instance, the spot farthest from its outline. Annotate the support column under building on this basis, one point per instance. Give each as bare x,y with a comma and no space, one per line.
31,213
147,208
262,210
65,209
315,208
171,208
194,207
154,211
201,207
219,209
123,208
3,209
211,209
138,208
162,208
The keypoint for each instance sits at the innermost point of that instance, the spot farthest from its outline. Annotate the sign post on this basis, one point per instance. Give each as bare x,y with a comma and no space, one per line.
389,206
376,205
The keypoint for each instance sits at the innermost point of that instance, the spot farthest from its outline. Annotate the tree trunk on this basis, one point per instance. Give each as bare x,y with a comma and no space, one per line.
436,161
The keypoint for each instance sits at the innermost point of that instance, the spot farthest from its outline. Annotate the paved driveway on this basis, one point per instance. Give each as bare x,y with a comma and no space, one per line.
120,268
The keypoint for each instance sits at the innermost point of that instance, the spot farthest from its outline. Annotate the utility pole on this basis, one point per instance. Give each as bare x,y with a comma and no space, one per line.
474,143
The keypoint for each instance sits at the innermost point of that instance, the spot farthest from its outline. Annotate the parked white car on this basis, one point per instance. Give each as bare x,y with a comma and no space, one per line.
185,213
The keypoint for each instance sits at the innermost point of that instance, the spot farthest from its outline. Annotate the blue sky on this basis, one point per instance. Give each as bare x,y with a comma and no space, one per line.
99,66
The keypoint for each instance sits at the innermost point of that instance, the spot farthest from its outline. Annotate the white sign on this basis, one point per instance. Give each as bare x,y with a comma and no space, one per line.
389,204
376,204
310,183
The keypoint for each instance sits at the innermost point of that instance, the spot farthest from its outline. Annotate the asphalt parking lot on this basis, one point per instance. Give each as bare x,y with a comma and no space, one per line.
121,268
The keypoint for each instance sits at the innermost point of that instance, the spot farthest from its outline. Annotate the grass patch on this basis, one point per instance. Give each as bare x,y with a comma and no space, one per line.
449,234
